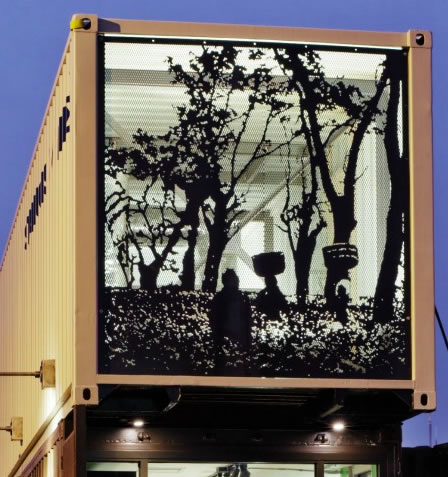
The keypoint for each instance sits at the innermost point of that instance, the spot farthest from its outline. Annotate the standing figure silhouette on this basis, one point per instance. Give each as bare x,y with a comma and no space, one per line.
341,302
271,300
230,323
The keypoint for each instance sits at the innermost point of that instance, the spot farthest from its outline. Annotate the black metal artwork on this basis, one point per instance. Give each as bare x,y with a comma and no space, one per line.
256,211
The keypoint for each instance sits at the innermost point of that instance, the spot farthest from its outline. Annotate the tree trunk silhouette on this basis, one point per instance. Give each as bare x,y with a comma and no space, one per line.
218,239
303,256
150,273
298,219
342,206
191,220
344,223
399,183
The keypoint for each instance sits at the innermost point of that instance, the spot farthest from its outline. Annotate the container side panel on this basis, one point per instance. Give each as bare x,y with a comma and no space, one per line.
36,278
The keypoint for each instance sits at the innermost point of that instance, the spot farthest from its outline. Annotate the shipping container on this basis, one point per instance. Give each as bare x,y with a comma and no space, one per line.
226,232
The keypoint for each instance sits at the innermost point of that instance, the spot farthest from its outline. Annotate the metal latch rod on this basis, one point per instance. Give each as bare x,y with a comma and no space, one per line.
35,374
46,373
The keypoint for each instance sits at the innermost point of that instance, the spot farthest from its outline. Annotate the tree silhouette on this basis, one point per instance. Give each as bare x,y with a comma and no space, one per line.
355,113
201,154
396,245
117,222
123,211
303,222
203,161
220,215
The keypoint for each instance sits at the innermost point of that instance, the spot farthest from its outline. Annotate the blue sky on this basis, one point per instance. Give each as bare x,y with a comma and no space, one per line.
33,35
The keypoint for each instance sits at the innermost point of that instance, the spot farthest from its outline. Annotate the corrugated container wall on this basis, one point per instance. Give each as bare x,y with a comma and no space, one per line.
37,275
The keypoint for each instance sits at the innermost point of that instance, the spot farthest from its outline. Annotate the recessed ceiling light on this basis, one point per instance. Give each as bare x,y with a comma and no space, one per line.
138,423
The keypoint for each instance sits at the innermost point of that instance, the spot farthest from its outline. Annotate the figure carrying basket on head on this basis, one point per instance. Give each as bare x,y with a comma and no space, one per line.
270,300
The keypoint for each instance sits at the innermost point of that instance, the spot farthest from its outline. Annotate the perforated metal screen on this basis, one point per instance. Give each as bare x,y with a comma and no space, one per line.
255,203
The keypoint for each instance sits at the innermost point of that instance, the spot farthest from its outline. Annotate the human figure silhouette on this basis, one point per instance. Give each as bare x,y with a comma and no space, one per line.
341,303
230,317
271,300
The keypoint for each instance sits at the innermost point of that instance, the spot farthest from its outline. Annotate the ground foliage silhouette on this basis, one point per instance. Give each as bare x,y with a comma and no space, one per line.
167,331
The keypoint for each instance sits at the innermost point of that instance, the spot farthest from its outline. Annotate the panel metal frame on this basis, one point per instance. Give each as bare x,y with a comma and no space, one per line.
84,346
112,445
421,203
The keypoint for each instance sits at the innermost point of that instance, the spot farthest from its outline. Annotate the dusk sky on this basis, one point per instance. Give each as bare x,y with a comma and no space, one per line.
33,36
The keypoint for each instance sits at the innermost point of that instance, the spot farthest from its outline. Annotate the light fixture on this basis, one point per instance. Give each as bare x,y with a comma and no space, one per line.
138,423
46,373
15,429
338,426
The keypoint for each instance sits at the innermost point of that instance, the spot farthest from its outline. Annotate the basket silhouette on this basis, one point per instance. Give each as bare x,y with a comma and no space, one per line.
344,255
269,263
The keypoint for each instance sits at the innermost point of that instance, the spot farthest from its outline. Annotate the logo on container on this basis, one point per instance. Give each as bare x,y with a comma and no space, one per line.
38,200
64,128
41,190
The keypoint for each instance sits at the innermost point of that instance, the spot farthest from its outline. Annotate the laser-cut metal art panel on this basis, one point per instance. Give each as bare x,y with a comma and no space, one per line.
255,210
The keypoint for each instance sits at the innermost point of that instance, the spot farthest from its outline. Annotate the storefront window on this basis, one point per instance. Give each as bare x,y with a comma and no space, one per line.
350,470
112,469
235,469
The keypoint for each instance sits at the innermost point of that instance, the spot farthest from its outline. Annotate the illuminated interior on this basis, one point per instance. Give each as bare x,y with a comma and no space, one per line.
181,469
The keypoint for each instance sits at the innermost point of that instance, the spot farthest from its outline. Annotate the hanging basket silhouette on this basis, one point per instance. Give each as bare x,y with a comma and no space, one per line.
269,263
343,255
